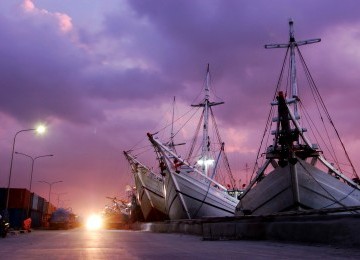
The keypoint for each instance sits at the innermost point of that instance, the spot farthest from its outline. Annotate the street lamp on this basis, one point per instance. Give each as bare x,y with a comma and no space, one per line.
40,129
31,174
58,197
50,185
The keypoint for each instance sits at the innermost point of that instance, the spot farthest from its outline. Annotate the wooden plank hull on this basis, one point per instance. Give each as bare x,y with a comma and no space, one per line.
317,190
150,195
188,197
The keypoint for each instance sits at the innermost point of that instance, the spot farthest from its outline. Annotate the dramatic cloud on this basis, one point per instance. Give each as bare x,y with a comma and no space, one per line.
64,20
101,74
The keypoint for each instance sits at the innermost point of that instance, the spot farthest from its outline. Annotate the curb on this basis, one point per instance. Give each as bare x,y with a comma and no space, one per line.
339,230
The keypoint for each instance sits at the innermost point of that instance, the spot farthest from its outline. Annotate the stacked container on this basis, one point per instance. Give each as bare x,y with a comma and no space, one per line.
20,201
17,207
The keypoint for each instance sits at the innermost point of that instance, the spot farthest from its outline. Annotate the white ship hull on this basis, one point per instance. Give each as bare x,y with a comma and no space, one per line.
189,197
149,190
150,195
316,190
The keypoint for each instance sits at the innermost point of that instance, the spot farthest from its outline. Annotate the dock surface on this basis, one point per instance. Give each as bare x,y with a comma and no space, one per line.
124,244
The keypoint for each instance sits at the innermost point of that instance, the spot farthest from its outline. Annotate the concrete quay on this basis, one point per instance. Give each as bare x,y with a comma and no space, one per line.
337,230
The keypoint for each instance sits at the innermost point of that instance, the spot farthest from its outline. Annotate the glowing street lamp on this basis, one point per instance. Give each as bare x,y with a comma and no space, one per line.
32,169
40,130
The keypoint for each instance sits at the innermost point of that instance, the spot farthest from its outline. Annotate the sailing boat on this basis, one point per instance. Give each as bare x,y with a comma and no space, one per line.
117,214
149,190
191,190
300,178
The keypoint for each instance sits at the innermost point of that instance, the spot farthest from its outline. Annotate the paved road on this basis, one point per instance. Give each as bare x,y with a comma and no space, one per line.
119,244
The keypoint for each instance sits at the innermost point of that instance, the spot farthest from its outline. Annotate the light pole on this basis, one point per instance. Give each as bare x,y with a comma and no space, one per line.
40,130
31,174
50,185
58,197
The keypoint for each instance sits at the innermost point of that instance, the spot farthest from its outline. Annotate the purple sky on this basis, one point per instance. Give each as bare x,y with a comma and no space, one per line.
101,74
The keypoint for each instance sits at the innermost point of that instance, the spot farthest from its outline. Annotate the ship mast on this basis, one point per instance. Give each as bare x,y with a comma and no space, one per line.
171,144
283,149
206,139
206,160
292,45
286,136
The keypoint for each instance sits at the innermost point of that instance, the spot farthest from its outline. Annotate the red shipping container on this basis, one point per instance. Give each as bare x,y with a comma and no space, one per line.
19,198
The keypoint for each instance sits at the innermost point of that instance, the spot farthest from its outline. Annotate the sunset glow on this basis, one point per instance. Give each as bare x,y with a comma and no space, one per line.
101,74
94,222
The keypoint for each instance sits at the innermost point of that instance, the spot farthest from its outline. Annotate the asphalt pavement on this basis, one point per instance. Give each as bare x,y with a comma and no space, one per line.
124,244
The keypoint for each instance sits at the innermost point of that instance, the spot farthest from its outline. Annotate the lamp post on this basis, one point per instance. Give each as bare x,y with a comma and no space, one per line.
58,197
50,185
40,130
31,174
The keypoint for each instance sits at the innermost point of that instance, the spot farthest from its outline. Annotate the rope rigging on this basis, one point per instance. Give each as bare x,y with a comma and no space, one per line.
318,96
319,104
270,116
335,201
224,157
195,137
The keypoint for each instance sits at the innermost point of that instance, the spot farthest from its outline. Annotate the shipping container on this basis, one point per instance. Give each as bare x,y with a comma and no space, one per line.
36,219
19,198
41,204
17,217
52,208
3,193
45,208
35,201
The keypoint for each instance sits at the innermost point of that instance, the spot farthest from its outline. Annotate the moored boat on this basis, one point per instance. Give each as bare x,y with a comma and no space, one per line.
191,190
149,190
295,175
